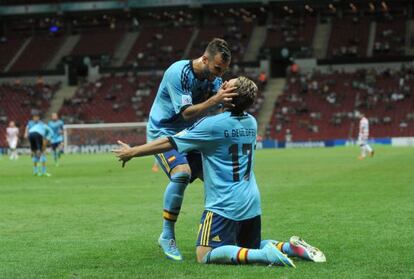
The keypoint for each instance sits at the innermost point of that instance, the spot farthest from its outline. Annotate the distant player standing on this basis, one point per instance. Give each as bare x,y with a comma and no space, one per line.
38,133
230,227
12,138
363,136
188,90
56,125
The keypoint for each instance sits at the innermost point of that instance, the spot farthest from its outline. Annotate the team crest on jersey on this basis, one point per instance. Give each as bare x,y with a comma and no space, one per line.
186,100
182,133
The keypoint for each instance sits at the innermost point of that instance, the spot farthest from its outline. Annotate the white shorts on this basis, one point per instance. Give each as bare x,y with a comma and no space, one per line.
13,144
362,142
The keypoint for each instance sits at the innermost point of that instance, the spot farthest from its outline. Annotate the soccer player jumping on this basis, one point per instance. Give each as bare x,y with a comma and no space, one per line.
230,227
189,89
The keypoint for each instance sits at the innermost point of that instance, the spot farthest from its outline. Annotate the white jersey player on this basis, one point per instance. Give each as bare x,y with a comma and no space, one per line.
12,137
363,138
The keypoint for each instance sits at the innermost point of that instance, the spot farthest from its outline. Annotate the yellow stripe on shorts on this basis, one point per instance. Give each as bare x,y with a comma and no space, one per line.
206,229
164,162
210,220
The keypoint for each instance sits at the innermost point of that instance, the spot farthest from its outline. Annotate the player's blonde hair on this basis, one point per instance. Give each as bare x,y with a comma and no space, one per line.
247,91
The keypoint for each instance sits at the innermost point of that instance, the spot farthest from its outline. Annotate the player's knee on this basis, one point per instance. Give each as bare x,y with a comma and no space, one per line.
182,172
181,177
201,253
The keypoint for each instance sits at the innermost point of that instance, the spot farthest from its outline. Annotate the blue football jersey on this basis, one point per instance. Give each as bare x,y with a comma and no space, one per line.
40,128
179,88
57,128
227,143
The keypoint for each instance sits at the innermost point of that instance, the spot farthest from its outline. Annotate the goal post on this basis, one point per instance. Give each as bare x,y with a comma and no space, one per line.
102,137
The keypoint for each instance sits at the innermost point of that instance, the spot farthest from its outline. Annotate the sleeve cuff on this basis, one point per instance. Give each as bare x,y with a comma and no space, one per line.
172,141
183,108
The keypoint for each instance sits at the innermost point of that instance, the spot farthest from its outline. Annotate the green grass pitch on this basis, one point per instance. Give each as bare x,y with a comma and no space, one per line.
93,219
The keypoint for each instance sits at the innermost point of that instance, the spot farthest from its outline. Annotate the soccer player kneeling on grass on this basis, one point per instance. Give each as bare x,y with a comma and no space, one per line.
230,227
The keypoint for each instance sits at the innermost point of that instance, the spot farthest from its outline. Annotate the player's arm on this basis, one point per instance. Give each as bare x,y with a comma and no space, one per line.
194,138
126,153
224,96
49,133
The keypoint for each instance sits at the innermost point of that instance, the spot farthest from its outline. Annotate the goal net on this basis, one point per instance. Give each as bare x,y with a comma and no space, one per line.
102,137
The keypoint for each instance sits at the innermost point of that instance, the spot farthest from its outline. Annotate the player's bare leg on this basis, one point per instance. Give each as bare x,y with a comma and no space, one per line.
363,152
369,150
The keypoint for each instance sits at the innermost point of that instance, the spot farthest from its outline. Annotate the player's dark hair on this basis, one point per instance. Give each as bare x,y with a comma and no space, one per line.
247,92
219,46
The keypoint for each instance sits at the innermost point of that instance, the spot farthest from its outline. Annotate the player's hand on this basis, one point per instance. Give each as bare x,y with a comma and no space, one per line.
124,152
225,95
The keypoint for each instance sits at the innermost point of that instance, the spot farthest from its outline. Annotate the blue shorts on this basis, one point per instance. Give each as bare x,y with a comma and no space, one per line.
215,231
170,159
56,145
36,141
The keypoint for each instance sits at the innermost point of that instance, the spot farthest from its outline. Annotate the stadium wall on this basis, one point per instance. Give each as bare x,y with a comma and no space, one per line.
33,79
403,141
308,65
265,144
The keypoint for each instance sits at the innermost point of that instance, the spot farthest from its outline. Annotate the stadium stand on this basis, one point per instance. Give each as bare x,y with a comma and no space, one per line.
19,101
8,48
97,42
111,99
291,31
38,53
350,38
159,46
390,36
322,106
235,26
313,107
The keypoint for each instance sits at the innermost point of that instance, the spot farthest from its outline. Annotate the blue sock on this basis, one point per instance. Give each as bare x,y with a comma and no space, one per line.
230,254
43,161
35,160
283,247
173,198
55,156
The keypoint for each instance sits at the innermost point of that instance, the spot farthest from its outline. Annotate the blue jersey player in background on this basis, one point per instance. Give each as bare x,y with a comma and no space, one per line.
56,125
38,133
189,89
230,227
